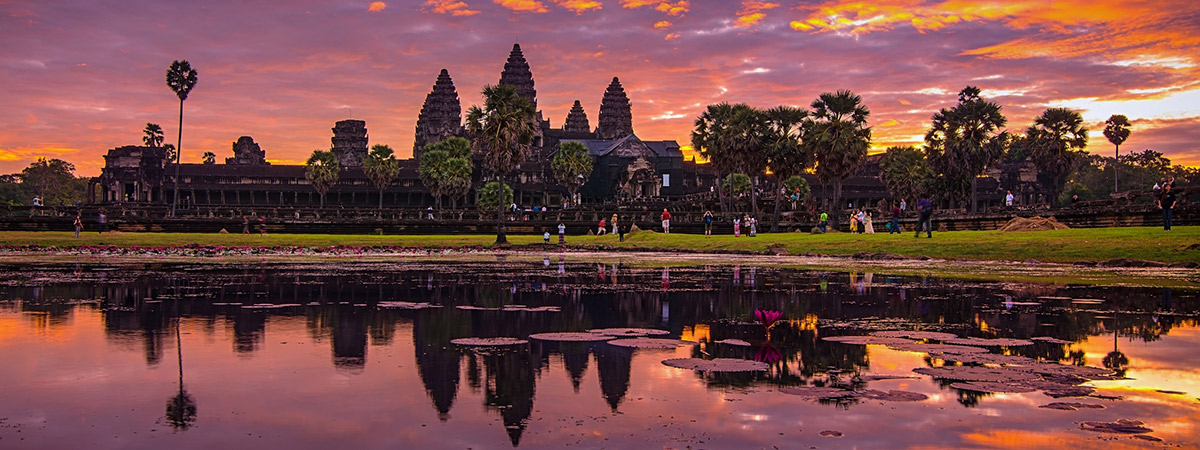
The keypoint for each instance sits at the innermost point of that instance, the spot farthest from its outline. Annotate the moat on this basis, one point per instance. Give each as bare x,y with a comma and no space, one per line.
360,355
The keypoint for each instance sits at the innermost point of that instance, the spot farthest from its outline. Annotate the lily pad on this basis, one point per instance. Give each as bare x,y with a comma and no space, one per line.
1121,426
1049,340
408,305
1071,391
892,395
1071,406
985,358
832,433
1070,370
938,348
644,342
868,340
993,387
630,332
816,392
737,342
489,342
983,342
716,365
914,334
571,337
975,373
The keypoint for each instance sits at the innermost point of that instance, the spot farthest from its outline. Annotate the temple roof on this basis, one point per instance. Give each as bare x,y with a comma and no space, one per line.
517,74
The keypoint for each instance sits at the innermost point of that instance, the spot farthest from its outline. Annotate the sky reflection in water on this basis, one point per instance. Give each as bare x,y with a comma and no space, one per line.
91,357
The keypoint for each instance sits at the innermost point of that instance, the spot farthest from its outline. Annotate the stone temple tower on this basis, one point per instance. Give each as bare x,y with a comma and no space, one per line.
350,142
517,74
577,121
616,114
441,115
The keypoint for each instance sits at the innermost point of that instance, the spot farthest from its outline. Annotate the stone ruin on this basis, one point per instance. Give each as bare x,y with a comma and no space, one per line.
616,114
577,121
517,74
441,115
350,142
247,153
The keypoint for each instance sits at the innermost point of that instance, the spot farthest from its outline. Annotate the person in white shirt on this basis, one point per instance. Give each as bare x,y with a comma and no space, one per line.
1008,199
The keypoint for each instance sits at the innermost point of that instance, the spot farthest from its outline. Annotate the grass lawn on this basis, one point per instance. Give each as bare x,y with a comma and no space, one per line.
1182,244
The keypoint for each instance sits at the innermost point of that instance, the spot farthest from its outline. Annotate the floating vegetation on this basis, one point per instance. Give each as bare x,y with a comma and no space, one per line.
937,348
976,373
571,337
817,392
993,387
408,305
832,433
984,342
716,365
985,358
488,342
1088,372
511,308
645,342
1049,340
892,395
1071,406
868,340
630,332
914,334
1070,391
1121,426
737,342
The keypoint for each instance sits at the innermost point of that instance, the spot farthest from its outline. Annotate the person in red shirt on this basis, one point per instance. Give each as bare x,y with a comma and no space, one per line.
666,221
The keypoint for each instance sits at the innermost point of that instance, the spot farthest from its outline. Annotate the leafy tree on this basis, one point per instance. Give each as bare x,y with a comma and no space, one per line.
904,170
488,194
747,135
209,158
787,156
840,136
572,166
1017,149
710,136
736,183
798,185
456,178
964,141
381,168
10,191
1057,142
153,135
502,131
1116,129
430,171
169,152
454,146
181,78
53,180
322,170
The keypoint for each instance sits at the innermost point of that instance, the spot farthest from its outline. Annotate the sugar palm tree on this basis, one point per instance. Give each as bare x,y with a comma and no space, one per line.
964,141
322,170
747,135
572,166
1116,129
786,154
840,138
381,167
209,158
181,78
1057,140
154,135
430,171
904,171
709,137
502,131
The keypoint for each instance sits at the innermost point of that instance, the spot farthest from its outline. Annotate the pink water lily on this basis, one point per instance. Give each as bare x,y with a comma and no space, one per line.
767,317
768,354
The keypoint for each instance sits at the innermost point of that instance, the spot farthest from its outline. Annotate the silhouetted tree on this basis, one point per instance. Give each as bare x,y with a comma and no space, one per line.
153,135
1116,129
502,131
964,141
322,170
905,171
840,137
787,154
209,158
381,167
1057,139
572,166
181,78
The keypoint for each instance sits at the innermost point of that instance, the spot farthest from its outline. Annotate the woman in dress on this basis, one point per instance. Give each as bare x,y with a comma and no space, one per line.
867,224
737,227
614,224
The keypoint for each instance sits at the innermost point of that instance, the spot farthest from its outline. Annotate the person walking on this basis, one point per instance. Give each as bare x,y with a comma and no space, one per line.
925,215
666,221
614,223
895,226
621,231
562,234
903,206
708,220
737,227
753,227
861,216
102,221
1166,202
853,223
245,225
602,227
78,225
824,225
262,225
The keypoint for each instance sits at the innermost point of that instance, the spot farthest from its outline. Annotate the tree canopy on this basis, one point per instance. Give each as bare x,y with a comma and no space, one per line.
322,170
905,172
572,166
502,131
964,140
381,167
1057,140
840,137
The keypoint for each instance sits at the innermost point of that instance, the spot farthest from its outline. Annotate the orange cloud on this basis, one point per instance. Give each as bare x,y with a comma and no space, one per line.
676,8
376,7
579,6
753,12
671,36
662,24
452,7
523,5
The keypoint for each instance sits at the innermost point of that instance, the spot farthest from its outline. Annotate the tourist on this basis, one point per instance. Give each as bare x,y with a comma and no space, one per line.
262,225
245,225
614,223
708,220
753,227
737,227
621,231
102,221
78,225
853,223
895,225
546,240
861,215
925,215
562,234
666,221
903,206
1166,202
824,224
602,228
867,224
1008,199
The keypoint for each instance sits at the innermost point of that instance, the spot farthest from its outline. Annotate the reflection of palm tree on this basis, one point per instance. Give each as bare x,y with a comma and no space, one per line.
181,408
1115,360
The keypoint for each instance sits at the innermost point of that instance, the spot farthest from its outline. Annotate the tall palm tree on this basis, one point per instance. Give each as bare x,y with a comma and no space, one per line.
571,166
964,141
840,138
786,154
181,78
709,138
322,170
381,167
747,135
1057,140
502,131
154,135
905,171
430,172
1116,129
209,158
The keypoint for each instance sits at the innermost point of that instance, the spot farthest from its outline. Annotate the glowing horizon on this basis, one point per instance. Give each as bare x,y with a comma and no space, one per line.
84,78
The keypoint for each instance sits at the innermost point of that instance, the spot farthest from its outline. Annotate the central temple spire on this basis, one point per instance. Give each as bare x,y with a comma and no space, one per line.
517,74
616,115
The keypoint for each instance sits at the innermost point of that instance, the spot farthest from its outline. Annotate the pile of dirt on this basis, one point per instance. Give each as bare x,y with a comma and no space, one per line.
1034,223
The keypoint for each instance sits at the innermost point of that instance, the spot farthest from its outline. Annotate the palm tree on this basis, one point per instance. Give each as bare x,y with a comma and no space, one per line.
456,178
1057,139
209,158
840,137
381,167
181,78
572,166
747,134
786,154
502,131
964,141
904,170
1116,129
154,135
322,170
430,171
709,138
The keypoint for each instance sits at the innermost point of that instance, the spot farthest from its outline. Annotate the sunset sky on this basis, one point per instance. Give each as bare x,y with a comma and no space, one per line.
81,77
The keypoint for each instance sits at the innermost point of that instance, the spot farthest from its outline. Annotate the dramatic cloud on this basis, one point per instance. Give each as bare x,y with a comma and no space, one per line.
285,75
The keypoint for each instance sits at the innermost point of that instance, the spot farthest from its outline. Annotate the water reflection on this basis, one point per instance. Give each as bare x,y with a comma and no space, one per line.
339,308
